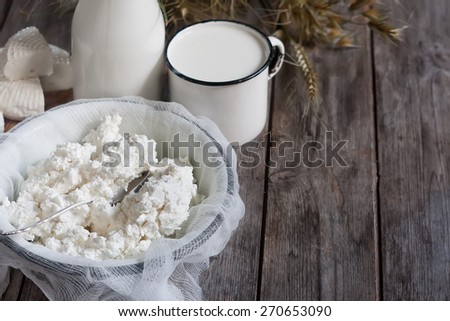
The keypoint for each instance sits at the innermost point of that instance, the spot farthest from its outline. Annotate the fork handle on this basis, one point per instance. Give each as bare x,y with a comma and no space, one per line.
29,227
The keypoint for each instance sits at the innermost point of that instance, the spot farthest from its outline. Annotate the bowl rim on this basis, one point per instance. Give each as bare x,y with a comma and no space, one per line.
97,272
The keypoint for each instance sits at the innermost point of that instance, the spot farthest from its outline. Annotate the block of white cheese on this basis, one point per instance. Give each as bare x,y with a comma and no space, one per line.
27,55
62,76
21,98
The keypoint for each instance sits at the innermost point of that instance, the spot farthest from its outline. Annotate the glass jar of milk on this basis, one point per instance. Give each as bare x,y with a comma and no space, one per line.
117,48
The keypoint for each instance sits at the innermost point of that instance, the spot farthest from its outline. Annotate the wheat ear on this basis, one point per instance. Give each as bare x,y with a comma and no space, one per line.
308,74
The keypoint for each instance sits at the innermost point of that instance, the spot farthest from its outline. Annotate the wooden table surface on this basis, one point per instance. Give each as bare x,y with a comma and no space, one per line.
378,229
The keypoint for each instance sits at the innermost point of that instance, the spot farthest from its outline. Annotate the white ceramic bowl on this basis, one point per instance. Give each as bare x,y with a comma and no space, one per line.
36,137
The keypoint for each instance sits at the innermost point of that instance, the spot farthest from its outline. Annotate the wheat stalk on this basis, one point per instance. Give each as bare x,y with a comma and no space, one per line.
308,74
379,22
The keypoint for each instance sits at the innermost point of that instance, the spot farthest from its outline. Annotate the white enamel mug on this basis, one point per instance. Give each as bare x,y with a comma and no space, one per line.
221,69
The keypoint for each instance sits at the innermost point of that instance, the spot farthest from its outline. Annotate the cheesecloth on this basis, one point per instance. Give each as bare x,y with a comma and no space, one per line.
170,269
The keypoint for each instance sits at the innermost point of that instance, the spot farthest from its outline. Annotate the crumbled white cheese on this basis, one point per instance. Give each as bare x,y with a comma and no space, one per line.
77,172
21,98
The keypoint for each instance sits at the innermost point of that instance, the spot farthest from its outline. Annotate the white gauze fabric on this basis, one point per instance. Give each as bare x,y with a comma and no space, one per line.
170,269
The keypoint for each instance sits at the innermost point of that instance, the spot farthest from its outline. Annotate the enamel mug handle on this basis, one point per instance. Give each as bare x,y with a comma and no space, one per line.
278,59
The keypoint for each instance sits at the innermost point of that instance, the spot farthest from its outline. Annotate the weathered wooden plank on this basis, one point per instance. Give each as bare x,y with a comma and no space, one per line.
412,86
4,9
30,292
15,284
320,232
233,275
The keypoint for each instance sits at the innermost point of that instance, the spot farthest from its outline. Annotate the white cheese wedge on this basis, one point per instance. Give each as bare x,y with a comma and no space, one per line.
27,55
62,76
21,98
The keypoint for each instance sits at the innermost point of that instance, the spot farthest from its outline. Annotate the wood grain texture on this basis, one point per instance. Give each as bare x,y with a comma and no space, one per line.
412,82
4,9
233,275
30,292
320,233
15,285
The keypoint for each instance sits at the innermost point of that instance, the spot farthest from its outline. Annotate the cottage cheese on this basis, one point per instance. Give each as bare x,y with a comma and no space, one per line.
75,172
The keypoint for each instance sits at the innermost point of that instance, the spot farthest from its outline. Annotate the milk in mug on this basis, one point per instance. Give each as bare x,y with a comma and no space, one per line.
218,52
220,69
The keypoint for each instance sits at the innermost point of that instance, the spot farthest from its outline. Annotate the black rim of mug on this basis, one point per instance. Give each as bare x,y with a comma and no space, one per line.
220,83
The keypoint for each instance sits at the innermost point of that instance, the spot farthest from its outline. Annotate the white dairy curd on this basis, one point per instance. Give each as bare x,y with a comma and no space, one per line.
76,172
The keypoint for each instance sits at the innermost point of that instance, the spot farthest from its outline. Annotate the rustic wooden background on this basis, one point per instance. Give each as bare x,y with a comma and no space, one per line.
376,230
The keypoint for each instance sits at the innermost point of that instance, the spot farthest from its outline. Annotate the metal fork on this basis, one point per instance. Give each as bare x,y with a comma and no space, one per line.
134,185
